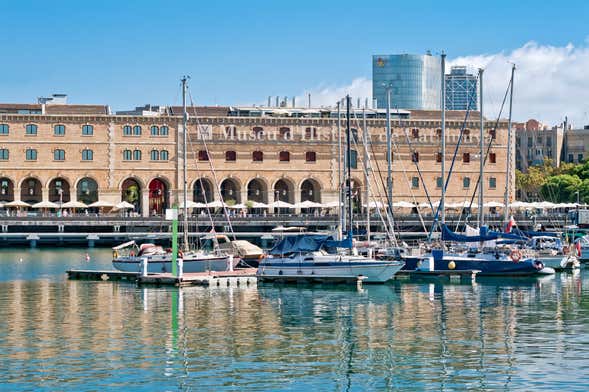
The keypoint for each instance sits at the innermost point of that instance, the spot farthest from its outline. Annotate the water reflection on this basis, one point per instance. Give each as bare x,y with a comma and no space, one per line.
495,334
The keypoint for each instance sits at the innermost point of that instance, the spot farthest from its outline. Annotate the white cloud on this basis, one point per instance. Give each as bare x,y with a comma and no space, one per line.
551,82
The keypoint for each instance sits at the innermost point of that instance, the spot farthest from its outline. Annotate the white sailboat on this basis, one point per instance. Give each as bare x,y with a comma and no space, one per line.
314,258
129,256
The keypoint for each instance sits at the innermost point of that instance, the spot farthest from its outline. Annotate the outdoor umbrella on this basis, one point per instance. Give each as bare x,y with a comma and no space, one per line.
256,204
74,204
281,204
216,204
17,203
101,204
45,204
308,204
124,205
403,204
239,206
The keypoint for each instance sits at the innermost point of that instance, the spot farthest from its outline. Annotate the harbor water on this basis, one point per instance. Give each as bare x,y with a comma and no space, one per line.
494,334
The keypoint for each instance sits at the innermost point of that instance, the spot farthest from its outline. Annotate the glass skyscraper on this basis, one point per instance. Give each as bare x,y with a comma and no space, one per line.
461,90
415,81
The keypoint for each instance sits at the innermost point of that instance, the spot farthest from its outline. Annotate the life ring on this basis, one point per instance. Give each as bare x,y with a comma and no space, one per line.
515,255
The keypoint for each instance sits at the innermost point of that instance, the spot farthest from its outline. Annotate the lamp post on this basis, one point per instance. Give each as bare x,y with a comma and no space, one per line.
60,192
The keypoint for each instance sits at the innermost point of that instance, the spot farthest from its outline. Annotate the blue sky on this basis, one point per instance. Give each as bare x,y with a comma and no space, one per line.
127,53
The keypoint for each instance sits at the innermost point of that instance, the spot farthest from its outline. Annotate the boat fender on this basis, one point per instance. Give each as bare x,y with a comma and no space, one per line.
451,265
115,254
515,255
132,254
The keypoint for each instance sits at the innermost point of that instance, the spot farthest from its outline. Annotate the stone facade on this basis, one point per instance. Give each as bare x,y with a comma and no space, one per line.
254,158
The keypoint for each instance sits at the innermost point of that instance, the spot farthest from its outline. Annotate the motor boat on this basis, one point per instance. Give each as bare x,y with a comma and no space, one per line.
552,253
314,258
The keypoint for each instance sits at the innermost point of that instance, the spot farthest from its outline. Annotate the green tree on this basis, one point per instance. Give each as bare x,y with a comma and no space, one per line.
560,188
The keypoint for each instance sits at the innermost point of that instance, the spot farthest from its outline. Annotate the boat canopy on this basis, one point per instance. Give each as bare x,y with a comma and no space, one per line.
449,235
300,243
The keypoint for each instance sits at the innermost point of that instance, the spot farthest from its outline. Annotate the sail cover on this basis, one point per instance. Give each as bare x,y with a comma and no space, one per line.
300,243
449,235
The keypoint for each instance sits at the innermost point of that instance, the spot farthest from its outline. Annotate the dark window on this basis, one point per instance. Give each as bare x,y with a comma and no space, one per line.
230,156
59,130
310,156
415,133
571,158
492,133
492,157
438,157
58,155
439,182
466,157
127,155
31,154
127,130
492,182
354,159
87,155
4,154
258,132
258,156
466,135
87,130
164,130
414,182
155,130
466,182
31,129
137,155
415,156
155,155
284,156
137,130
4,128
164,156
285,133
354,135
439,133
580,158
203,155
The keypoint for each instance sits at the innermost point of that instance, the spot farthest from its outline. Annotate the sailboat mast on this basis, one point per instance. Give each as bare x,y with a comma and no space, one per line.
443,137
367,171
509,168
389,154
349,164
185,185
482,153
340,207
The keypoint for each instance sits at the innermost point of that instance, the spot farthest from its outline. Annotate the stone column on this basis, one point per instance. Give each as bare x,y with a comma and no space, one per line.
297,199
145,203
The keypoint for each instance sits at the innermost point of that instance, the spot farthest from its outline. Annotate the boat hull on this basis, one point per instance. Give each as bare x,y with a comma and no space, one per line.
337,271
156,265
486,267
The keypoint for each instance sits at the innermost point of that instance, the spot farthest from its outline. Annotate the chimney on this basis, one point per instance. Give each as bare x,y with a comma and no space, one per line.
294,102
277,103
269,101
309,104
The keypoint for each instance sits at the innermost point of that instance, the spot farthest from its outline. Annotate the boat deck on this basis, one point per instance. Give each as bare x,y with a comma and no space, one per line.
238,277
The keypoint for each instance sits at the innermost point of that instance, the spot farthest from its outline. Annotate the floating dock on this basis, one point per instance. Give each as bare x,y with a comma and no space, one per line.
451,275
238,277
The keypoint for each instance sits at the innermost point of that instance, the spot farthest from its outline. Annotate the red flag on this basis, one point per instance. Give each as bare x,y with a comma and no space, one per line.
510,225
578,247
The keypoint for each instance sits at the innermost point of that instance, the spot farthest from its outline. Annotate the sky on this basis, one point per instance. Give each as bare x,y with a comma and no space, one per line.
129,53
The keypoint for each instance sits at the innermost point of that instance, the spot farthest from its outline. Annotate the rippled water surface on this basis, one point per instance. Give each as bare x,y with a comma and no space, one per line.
507,334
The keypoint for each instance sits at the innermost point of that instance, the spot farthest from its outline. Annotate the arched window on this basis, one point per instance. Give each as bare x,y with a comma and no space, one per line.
258,156
4,129
203,155
155,155
310,133
284,156
127,130
155,131
492,133
354,135
415,133
164,130
58,155
137,130
87,155
31,154
164,155
137,155
258,132
230,156
310,156
87,130
59,130
31,129
4,154
285,133
466,135
127,155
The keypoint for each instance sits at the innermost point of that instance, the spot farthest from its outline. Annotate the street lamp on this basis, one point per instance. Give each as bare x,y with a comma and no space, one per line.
60,191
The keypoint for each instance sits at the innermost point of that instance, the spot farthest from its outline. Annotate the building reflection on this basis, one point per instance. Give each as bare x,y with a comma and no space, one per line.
396,336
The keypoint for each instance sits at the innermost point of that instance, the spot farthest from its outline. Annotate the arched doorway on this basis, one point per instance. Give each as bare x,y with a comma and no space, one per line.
131,193
6,190
202,191
283,191
230,191
158,196
31,191
87,190
311,190
257,191
59,190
